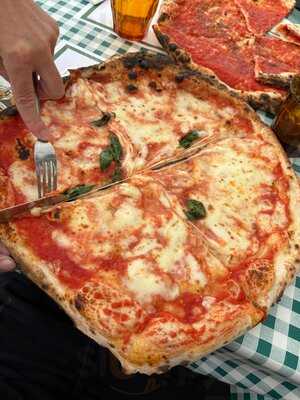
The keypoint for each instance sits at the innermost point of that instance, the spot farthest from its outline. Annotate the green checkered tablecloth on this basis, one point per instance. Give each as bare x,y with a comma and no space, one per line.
263,364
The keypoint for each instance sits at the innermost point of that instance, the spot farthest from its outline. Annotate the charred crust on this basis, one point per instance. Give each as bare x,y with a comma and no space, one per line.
144,64
297,246
153,85
173,46
163,17
132,75
147,61
79,302
131,88
181,76
22,151
44,286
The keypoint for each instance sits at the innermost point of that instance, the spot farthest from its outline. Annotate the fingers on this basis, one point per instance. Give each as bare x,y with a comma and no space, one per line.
50,85
24,93
6,264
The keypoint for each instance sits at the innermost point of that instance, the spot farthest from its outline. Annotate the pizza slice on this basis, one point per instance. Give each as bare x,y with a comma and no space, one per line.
134,276
82,143
276,61
240,193
164,110
288,31
262,15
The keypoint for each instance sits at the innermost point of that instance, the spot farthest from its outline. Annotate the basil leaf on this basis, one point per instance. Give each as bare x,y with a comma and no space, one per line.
117,175
116,147
187,140
195,210
104,120
76,191
106,158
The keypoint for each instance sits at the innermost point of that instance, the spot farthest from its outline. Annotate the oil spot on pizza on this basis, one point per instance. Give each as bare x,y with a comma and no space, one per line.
22,151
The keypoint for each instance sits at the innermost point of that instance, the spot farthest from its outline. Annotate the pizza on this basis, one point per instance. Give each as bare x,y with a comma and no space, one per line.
191,245
276,61
262,15
221,40
288,31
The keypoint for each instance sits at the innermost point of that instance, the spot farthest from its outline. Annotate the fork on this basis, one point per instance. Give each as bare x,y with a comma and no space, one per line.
44,158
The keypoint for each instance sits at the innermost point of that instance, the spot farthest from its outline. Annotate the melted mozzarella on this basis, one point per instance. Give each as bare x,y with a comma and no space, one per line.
24,179
196,273
145,284
175,231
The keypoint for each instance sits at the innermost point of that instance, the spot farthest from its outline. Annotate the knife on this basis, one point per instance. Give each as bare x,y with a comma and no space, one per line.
7,214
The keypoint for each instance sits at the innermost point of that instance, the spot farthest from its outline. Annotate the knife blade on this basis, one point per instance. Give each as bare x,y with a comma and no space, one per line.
10,213
7,214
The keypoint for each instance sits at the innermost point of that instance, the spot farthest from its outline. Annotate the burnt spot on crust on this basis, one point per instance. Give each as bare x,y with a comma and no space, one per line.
45,286
155,86
181,76
297,246
146,61
22,151
79,302
132,75
131,88
173,46
163,17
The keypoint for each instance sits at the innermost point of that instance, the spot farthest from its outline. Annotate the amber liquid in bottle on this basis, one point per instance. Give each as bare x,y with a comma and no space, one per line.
132,17
287,121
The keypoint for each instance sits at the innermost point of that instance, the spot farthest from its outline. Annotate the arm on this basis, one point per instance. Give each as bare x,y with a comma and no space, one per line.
27,40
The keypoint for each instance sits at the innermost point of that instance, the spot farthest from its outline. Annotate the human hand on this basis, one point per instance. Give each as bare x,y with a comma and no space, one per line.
6,262
27,40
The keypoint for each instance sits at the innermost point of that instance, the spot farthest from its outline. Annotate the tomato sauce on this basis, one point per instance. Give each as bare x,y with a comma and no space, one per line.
37,233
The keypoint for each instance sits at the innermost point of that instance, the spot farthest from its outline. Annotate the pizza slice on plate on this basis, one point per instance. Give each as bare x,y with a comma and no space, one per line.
287,31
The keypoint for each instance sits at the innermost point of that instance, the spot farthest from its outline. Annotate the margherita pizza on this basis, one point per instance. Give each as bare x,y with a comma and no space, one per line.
194,243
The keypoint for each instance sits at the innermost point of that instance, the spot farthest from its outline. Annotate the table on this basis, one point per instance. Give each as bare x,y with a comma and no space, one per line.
264,363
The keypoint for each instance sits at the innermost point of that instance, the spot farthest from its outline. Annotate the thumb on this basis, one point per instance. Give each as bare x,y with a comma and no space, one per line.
25,97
